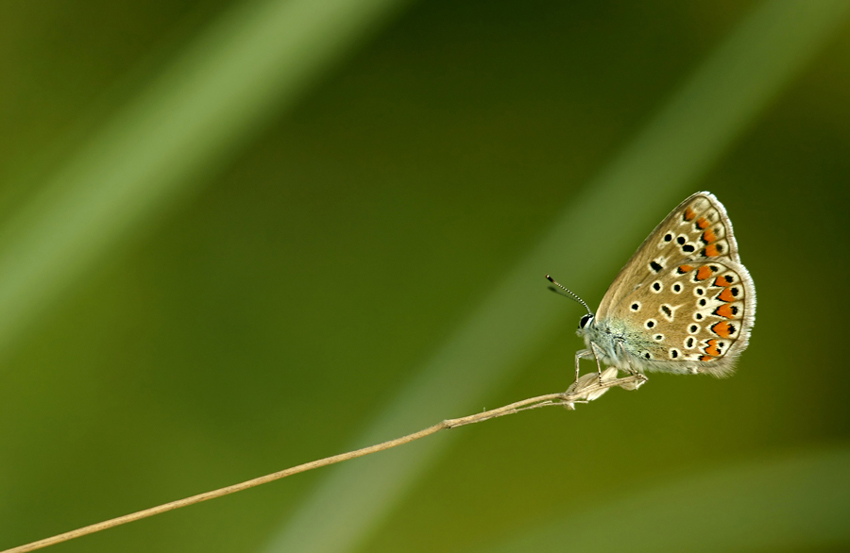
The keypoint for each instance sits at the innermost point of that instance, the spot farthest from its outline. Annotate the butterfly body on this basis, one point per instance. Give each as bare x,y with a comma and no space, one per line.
619,345
682,304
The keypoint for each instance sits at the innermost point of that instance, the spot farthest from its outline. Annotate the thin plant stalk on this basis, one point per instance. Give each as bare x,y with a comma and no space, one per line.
587,388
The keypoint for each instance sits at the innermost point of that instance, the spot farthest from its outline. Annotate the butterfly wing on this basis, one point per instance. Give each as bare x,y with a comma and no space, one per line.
695,317
685,294
698,229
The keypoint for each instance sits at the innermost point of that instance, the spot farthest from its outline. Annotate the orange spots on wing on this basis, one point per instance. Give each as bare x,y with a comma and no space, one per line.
724,310
702,223
689,214
723,281
726,295
723,329
711,348
685,269
708,236
711,251
706,358
704,272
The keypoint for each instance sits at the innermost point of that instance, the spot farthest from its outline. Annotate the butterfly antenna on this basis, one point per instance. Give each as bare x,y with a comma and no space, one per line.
572,295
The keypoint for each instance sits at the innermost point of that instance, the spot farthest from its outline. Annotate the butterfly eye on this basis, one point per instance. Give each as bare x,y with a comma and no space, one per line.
585,320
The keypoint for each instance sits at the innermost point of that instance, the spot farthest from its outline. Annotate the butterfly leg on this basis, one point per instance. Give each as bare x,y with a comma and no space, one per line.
628,366
594,347
579,355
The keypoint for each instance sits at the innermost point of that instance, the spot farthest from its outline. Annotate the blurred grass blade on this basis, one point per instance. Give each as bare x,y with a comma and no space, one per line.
655,171
256,61
794,504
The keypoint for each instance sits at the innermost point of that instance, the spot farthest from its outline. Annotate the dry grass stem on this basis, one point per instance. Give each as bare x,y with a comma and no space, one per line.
587,388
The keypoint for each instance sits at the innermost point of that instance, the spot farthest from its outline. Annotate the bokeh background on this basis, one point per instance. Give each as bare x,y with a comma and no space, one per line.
240,235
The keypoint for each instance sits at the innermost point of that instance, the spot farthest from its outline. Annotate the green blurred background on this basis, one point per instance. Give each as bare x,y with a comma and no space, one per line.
238,236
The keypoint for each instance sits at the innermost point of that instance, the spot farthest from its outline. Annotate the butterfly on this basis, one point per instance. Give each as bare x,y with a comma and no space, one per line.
682,304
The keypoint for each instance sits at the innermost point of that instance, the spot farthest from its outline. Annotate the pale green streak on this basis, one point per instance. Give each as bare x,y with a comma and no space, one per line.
238,76
653,173
797,503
